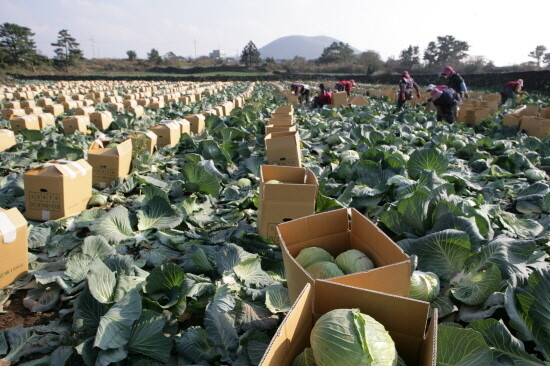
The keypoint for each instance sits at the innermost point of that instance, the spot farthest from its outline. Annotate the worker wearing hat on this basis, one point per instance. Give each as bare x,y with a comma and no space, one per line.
453,79
346,85
508,92
445,100
406,86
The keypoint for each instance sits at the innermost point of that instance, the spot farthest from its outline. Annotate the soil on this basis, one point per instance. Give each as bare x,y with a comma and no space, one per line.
17,314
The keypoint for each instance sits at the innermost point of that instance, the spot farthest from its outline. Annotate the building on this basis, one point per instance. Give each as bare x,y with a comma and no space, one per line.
218,54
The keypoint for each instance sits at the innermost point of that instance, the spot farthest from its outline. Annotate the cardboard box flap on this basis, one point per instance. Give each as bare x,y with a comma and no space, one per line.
68,168
98,147
7,132
364,230
309,228
379,279
429,345
398,314
287,343
275,135
10,221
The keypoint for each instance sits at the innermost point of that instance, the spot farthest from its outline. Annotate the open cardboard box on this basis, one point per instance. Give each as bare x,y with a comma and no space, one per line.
109,163
536,126
337,231
14,253
293,198
279,128
57,189
407,321
283,148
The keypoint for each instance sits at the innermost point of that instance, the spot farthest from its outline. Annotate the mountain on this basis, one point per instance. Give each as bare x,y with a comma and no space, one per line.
286,48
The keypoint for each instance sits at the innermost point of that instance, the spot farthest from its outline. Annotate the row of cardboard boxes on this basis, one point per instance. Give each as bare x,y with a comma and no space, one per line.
338,99
533,120
286,215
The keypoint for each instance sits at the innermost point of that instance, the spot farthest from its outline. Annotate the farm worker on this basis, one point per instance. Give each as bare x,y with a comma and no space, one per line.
302,91
346,85
446,101
509,91
406,86
453,79
323,98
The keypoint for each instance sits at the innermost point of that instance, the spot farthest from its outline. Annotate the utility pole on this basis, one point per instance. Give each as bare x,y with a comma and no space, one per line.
195,42
93,49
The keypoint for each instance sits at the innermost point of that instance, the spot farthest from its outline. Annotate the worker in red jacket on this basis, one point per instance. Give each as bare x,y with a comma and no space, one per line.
323,98
509,91
346,85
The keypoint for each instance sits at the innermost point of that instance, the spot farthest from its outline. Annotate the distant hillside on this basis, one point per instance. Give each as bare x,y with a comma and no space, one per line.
286,48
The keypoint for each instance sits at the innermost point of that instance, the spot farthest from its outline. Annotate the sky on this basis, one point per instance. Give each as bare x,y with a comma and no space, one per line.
502,31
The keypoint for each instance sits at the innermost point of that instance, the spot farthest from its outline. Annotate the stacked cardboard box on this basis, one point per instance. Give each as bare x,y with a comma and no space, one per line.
14,257
109,163
57,189
292,198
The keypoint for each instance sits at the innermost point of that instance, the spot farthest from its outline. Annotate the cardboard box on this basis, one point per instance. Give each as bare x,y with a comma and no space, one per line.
138,110
283,148
14,104
75,123
29,122
168,134
70,105
292,199
197,122
340,98
475,116
55,109
227,108
279,128
406,320
84,111
14,253
288,109
28,104
143,141
7,139
281,119
536,126
102,120
336,232
512,120
545,113
117,107
492,97
492,106
109,163
528,110
57,189
358,100
34,110
292,99
185,126
157,105
43,102
12,113
46,119
130,103
144,102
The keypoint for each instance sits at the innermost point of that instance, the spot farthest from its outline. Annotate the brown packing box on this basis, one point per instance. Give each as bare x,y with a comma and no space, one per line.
292,199
84,111
7,139
29,122
130,103
492,106
279,128
28,104
117,107
157,105
75,123
70,105
283,148
57,189
34,110
197,122
407,321
109,163
46,119
492,97
536,126
184,100
185,126
12,113
340,98
144,102
292,99
528,110
512,120
358,100
143,141
288,109
138,110
475,116
102,120
462,112
14,253
336,232
14,104
281,119
545,113
43,102
55,109
227,108
168,134
219,111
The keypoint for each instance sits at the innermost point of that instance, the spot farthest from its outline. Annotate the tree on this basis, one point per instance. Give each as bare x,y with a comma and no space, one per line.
546,59
16,43
67,51
132,55
250,55
409,57
170,56
538,54
445,50
154,56
371,60
336,52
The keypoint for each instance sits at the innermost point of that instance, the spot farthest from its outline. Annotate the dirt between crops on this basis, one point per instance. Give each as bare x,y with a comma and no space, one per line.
18,314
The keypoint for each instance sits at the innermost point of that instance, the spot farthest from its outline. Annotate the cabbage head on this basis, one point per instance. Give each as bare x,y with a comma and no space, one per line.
353,261
305,358
308,256
349,156
322,270
535,174
424,286
346,337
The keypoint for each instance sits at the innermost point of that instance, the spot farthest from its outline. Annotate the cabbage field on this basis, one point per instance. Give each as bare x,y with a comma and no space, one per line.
166,267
